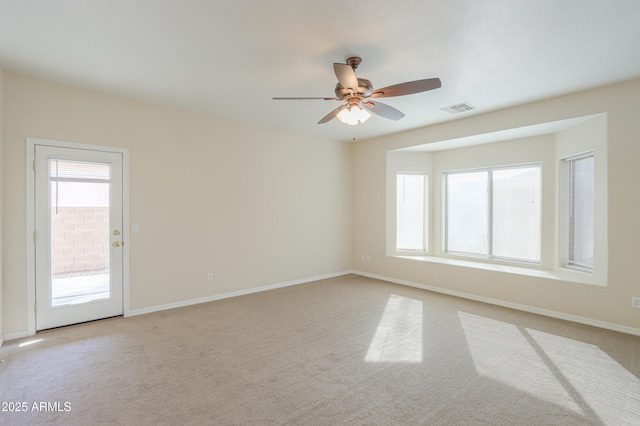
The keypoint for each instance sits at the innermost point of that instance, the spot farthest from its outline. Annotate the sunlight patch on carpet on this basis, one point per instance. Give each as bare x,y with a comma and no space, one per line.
398,337
501,352
569,373
29,342
602,383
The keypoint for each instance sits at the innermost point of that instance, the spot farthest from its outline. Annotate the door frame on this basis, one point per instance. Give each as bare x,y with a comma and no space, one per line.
31,219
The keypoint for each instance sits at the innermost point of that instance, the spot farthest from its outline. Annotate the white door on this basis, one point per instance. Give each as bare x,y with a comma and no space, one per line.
78,238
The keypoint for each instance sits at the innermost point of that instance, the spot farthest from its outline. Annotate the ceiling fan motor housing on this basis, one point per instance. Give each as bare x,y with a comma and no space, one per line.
364,87
354,61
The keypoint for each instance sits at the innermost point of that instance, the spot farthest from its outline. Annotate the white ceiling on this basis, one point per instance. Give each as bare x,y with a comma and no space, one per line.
229,58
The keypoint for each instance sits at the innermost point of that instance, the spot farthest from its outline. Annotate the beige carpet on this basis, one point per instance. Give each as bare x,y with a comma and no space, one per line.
349,350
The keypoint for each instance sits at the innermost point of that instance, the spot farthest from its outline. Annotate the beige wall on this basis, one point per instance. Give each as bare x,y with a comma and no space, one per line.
252,204
608,304
259,206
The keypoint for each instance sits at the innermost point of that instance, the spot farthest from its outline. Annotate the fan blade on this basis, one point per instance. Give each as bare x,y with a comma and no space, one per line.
383,110
332,114
408,88
346,76
304,99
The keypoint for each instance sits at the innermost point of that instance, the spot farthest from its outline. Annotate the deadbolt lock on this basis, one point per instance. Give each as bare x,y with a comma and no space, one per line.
116,232
116,244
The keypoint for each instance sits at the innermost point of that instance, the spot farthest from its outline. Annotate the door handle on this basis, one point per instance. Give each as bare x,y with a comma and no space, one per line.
116,244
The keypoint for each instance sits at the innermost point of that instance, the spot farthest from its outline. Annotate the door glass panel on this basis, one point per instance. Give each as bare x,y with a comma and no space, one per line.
80,229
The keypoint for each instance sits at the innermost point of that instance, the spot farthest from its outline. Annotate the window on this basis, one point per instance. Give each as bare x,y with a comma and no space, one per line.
494,213
494,207
411,212
580,214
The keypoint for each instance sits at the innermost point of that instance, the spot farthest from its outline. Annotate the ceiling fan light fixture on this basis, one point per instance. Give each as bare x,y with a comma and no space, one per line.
356,92
353,115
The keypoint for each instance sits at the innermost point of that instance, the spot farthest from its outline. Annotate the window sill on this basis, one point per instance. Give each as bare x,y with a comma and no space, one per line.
561,274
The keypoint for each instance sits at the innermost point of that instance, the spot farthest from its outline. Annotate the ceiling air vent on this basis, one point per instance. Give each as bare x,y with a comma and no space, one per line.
458,108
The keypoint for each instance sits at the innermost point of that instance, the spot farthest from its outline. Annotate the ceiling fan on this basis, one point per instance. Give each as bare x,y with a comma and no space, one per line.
357,94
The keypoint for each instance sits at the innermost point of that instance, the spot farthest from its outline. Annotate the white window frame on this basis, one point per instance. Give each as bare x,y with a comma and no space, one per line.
445,203
566,205
568,137
425,217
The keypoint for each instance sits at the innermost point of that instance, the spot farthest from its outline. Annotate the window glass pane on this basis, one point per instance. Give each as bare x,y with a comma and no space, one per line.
581,212
410,212
467,212
516,213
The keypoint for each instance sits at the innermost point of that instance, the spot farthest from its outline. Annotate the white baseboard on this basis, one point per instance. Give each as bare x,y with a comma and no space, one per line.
142,311
505,304
516,306
13,336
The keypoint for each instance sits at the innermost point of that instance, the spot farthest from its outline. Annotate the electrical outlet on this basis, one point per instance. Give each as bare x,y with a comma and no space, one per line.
635,302
210,276
368,259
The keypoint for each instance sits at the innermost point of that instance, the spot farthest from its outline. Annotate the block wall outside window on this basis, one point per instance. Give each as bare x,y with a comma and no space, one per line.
80,240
